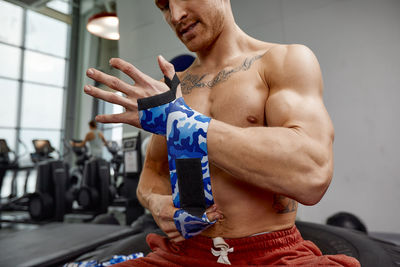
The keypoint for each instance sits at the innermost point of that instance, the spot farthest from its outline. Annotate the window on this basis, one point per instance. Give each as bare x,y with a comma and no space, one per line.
41,106
11,23
9,96
60,5
46,34
10,61
33,52
44,69
111,131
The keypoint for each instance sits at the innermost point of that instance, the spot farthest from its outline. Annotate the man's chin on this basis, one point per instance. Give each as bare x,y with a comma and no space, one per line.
192,49
192,46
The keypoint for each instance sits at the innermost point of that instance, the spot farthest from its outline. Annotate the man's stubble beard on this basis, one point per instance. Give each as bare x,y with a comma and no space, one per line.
208,32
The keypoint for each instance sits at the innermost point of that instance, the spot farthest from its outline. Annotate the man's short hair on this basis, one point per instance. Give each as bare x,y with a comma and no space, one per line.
93,124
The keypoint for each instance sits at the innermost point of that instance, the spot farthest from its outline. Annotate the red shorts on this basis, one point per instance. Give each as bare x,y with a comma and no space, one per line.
285,247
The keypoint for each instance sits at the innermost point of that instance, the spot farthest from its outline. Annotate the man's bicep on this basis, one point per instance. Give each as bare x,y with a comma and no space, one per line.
295,97
305,113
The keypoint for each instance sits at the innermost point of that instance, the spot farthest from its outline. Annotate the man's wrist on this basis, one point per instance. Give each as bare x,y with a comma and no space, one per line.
150,200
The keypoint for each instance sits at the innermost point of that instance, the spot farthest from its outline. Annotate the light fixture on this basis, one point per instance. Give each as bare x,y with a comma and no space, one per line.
104,25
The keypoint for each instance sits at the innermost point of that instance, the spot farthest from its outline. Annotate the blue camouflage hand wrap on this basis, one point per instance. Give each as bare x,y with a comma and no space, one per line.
154,110
189,225
154,120
186,133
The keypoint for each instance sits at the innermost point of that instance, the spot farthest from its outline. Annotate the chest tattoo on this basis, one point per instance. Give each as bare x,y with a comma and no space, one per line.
192,81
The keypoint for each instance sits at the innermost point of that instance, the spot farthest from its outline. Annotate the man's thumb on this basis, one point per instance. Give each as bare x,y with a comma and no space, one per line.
166,67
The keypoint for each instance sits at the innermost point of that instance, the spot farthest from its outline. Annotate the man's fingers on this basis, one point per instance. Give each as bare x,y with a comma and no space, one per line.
169,71
177,239
130,70
109,97
110,81
211,208
115,118
166,67
212,216
213,213
174,234
168,227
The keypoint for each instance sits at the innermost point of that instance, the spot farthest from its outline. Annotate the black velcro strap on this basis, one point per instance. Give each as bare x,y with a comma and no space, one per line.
156,100
191,188
161,99
173,85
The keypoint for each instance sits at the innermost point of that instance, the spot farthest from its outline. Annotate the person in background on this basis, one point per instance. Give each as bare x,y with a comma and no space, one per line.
95,138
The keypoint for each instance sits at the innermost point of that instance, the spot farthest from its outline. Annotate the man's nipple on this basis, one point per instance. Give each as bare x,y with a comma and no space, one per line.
252,119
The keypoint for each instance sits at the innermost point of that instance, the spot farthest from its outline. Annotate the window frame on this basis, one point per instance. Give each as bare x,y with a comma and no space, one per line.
21,81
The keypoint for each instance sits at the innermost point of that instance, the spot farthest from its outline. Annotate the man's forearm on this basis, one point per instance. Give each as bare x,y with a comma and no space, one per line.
151,183
282,160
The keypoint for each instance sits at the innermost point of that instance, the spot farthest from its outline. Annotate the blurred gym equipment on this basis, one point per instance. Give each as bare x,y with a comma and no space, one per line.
12,202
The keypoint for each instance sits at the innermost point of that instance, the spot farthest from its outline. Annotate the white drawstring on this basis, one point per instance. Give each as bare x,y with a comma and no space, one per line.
222,254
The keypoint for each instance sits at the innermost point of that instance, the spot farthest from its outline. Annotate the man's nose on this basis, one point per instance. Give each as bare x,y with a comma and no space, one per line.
178,12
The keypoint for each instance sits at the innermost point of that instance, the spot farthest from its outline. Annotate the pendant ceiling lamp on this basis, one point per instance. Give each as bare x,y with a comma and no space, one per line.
104,25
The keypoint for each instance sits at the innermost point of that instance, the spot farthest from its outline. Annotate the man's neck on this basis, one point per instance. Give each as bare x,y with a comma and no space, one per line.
231,42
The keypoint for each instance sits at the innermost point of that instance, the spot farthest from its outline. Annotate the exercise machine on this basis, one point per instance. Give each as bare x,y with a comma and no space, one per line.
81,157
94,193
132,169
43,149
49,202
75,173
12,202
117,159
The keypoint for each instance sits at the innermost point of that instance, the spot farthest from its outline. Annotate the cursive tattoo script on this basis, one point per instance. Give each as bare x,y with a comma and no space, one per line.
192,81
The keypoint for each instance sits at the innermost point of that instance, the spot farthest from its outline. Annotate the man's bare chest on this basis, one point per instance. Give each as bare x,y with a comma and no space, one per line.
239,101
237,98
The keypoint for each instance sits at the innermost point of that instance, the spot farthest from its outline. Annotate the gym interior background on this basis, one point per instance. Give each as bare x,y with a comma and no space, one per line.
45,51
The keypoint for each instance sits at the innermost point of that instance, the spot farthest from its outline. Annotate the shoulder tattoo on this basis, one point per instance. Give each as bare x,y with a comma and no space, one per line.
192,81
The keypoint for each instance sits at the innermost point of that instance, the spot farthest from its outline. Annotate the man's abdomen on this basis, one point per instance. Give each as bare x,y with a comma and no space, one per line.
248,210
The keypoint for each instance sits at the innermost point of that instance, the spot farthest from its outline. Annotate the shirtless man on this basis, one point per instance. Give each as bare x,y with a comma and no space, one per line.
269,141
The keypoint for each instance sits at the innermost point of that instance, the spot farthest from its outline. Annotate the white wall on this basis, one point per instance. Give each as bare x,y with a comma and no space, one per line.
357,44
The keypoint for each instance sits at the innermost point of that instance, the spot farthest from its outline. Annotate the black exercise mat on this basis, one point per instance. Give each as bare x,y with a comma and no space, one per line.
56,243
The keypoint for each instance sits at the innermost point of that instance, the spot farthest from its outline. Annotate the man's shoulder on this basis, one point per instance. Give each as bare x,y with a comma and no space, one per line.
288,64
284,53
284,60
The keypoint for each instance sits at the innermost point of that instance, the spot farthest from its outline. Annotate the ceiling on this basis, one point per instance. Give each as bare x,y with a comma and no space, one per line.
87,6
